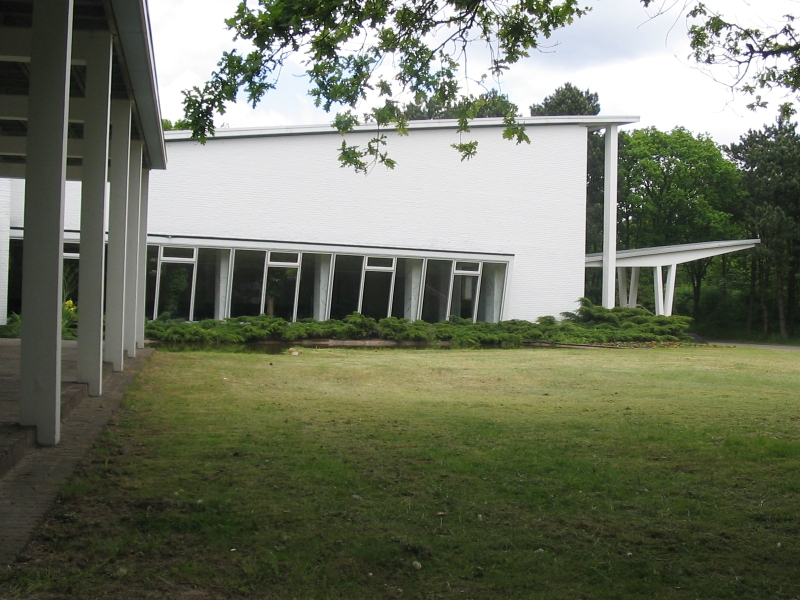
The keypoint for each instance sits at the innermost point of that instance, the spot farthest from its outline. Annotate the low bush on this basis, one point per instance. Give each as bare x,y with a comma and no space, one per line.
590,324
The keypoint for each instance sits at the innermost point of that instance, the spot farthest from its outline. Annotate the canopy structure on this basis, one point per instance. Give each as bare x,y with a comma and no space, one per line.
71,73
657,258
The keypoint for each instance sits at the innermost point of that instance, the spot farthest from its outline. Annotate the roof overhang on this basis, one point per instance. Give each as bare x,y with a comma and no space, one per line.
591,122
662,256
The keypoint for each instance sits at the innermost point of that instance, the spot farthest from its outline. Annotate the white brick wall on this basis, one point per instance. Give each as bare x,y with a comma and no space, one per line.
525,200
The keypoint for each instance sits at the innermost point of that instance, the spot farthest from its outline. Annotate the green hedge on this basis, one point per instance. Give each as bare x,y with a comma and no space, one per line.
590,324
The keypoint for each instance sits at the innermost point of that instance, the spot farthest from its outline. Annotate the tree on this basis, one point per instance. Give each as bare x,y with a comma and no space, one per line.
675,188
568,100
761,58
770,162
177,124
351,45
488,104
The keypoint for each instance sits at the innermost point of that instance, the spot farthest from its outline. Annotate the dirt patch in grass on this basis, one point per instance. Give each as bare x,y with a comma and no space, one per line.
664,473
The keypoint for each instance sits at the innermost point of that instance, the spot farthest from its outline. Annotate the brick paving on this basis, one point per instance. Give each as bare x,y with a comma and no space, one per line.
29,489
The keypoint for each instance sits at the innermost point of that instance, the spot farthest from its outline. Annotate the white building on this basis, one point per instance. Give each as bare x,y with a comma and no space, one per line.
266,221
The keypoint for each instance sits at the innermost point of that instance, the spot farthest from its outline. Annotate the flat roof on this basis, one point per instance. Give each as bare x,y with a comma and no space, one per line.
671,255
591,122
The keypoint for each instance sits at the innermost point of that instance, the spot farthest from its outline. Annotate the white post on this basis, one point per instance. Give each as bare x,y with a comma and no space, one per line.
46,169
142,277
113,351
622,286
5,223
658,290
633,296
93,213
132,248
610,216
669,296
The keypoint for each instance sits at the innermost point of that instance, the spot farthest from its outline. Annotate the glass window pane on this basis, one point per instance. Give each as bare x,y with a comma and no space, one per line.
172,252
465,292
150,291
248,277
377,287
15,277
313,294
207,286
407,283
175,291
468,266
279,294
437,290
380,261
346,285
491,301
70,248
283,257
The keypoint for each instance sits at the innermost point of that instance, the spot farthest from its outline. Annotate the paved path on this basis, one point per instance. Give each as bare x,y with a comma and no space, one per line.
29,490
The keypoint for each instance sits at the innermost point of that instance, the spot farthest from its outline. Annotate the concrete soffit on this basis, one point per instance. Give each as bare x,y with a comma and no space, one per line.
662,256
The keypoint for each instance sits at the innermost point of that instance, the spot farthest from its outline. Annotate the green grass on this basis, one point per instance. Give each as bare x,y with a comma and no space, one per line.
663,473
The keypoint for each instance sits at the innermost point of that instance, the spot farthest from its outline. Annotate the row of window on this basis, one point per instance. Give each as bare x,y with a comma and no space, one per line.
204,283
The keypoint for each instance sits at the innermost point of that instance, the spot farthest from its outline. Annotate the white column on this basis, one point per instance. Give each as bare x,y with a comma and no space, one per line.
622,286
610,216
113,350
93,212
42,268
321,284
633,296
142,277
132,248
221,287
669,295
658,290
5,224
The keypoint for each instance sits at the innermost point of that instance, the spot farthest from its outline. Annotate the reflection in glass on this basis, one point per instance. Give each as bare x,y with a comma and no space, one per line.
283,257
248,279
175,290
492,282
377,287
205,293
151,266
174,252
346,285
380,262
279,294
437,290
465,292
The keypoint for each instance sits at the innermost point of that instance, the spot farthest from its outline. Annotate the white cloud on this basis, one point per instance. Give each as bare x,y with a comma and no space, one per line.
637,65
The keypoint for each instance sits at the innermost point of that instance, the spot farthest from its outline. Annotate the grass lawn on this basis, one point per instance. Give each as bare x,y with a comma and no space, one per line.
661,473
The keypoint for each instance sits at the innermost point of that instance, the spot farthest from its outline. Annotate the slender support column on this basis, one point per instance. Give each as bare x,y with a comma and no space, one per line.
42,267
610,216
5,223
93,212
658,290
132,248
113,351
622,286
633,296
669,295
142,277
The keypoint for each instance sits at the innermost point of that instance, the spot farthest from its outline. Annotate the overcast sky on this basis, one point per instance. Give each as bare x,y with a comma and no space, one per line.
638,66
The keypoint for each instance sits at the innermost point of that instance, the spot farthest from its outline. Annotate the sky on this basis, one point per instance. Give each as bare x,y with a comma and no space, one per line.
638,63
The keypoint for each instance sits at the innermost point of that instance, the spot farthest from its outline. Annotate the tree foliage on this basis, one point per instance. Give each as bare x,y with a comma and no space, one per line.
389,47
568,100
